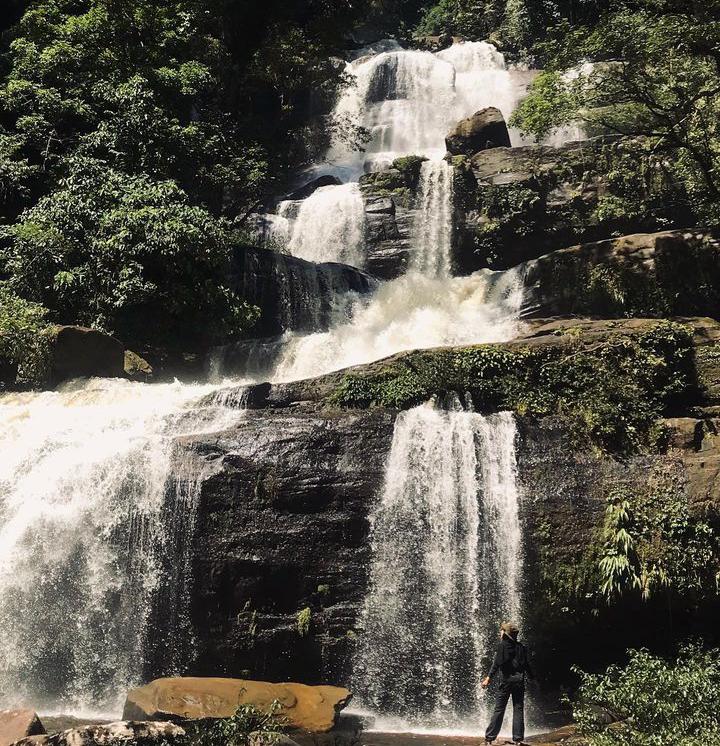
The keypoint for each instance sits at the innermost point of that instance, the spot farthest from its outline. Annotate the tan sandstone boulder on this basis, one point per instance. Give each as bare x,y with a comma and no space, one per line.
17,724
312,708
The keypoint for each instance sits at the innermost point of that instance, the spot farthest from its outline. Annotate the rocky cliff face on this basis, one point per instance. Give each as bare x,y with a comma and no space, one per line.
518,203
281,549
671,273
515,204
280,553
291,293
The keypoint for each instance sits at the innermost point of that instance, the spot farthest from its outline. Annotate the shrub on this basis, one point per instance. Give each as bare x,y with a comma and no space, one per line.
264,726
24,339
660,702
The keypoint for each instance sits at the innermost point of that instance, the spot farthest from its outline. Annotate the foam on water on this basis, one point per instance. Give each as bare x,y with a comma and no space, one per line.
84,525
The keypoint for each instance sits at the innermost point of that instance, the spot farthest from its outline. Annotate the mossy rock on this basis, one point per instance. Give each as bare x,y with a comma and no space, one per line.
614,389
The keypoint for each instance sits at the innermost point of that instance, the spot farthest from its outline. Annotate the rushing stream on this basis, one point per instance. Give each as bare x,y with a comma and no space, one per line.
95,525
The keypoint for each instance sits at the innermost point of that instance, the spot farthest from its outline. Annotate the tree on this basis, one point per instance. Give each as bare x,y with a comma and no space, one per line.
640,72
136,137
129,255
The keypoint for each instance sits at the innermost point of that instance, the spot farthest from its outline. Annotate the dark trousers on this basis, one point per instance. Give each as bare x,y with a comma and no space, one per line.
507,689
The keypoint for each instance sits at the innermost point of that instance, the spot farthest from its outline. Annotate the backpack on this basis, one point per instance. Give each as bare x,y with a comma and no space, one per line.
519,661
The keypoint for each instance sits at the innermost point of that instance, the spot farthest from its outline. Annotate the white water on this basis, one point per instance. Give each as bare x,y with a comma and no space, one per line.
84,535
409,100
445,541
329,226
94,526
433,229
415,311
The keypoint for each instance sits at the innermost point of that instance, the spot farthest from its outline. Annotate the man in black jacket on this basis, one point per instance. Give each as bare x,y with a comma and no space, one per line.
512,664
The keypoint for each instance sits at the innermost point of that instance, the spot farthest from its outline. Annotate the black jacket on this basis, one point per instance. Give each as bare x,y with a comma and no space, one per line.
511,660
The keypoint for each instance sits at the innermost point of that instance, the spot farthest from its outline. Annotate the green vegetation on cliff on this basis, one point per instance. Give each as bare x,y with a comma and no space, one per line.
658,702
654,73
615,390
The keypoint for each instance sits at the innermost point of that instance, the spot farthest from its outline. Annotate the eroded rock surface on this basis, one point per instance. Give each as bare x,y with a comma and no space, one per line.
311,708
111,734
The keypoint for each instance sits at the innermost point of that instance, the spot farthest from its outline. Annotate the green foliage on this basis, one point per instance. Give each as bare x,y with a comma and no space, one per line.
304,618
619,563
655,74
128,255
549,105
473,19
661,702
615,390
556,198
409,167
129,130
264,726
25,337
651,542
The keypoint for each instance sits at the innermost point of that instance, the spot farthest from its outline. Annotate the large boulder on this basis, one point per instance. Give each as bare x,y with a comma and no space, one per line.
311,187
485,129
515,204
111,734
311,708
671,273
78,352
17,724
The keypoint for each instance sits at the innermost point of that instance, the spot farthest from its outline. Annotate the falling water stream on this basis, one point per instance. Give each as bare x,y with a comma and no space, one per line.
445,542
96,511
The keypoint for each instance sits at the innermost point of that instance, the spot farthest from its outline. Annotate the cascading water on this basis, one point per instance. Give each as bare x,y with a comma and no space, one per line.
85,534
434,224
328,226
408,100
445,541
412,312
95,530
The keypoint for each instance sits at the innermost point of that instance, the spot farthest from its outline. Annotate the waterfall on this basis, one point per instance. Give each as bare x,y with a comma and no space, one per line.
433,228
328,226
88,529
445,543
97,503
408,100
415,311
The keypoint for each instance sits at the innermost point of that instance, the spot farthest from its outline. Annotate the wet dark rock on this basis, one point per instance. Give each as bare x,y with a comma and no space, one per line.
282,528
130,733
483,130
516,204
306,190
671,273
292,294
78,352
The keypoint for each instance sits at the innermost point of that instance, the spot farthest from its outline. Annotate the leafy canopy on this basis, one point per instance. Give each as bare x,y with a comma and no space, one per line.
136,136
640,71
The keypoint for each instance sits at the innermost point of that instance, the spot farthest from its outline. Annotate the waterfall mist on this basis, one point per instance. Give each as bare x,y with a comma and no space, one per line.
445,540
89,532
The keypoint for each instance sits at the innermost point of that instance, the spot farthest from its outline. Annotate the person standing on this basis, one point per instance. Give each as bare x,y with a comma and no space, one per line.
511,665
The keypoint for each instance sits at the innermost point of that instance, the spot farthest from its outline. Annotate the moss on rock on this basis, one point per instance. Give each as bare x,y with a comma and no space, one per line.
533,199
614,389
